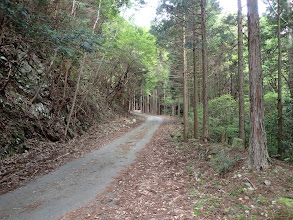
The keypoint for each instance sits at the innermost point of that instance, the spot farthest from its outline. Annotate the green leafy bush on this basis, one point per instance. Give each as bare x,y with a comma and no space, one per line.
223,113
224,163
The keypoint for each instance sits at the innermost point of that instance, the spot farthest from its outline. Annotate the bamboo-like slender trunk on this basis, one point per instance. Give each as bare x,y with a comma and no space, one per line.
98,16
75,93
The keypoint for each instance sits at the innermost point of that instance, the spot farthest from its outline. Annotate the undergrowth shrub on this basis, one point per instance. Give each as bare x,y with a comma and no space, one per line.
223,113
224,163
223,116
271,122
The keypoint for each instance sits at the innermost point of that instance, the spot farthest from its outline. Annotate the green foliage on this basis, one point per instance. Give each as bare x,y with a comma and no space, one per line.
287,130
271,122
36,26
224,163
13,144
270,103
287,202
224,116
236,191
223,112
189,170
287,212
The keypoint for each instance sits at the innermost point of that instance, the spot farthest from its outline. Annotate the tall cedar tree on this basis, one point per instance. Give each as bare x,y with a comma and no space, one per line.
258,154
241,75
280,120
204,73
185,89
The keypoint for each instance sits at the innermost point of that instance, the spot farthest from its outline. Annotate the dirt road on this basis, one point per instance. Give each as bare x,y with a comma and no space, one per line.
76,183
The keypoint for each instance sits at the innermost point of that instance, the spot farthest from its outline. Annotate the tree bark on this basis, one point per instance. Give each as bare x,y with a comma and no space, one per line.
280,120
134,103
185,89
179,107
157,102
73,7
141,100
165,107
195,81
205,136
154,103
148,104
241,75
258,154
68,63
75,94
290,48
98,16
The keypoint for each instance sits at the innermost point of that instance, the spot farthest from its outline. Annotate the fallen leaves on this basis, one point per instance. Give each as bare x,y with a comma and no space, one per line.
45,157
153,187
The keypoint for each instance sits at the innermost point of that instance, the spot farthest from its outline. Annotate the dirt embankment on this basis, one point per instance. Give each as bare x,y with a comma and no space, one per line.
44,157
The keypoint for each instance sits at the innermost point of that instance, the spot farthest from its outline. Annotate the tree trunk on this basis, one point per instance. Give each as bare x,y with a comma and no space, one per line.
148,104
133,102
290,48
43,79
185,89
154,102
280,122
141,100
98,16
258,154
157,103
204,74
179,107
241,75
75,94
73,7
68,63
165,107
195,95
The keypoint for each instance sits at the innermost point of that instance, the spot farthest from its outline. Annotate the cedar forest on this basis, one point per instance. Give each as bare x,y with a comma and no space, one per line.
227,78
67,63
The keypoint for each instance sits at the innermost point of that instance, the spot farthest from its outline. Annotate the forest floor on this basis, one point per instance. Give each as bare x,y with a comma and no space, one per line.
175,180
169,179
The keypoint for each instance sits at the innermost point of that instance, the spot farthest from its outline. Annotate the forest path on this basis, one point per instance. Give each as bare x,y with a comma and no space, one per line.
76,183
